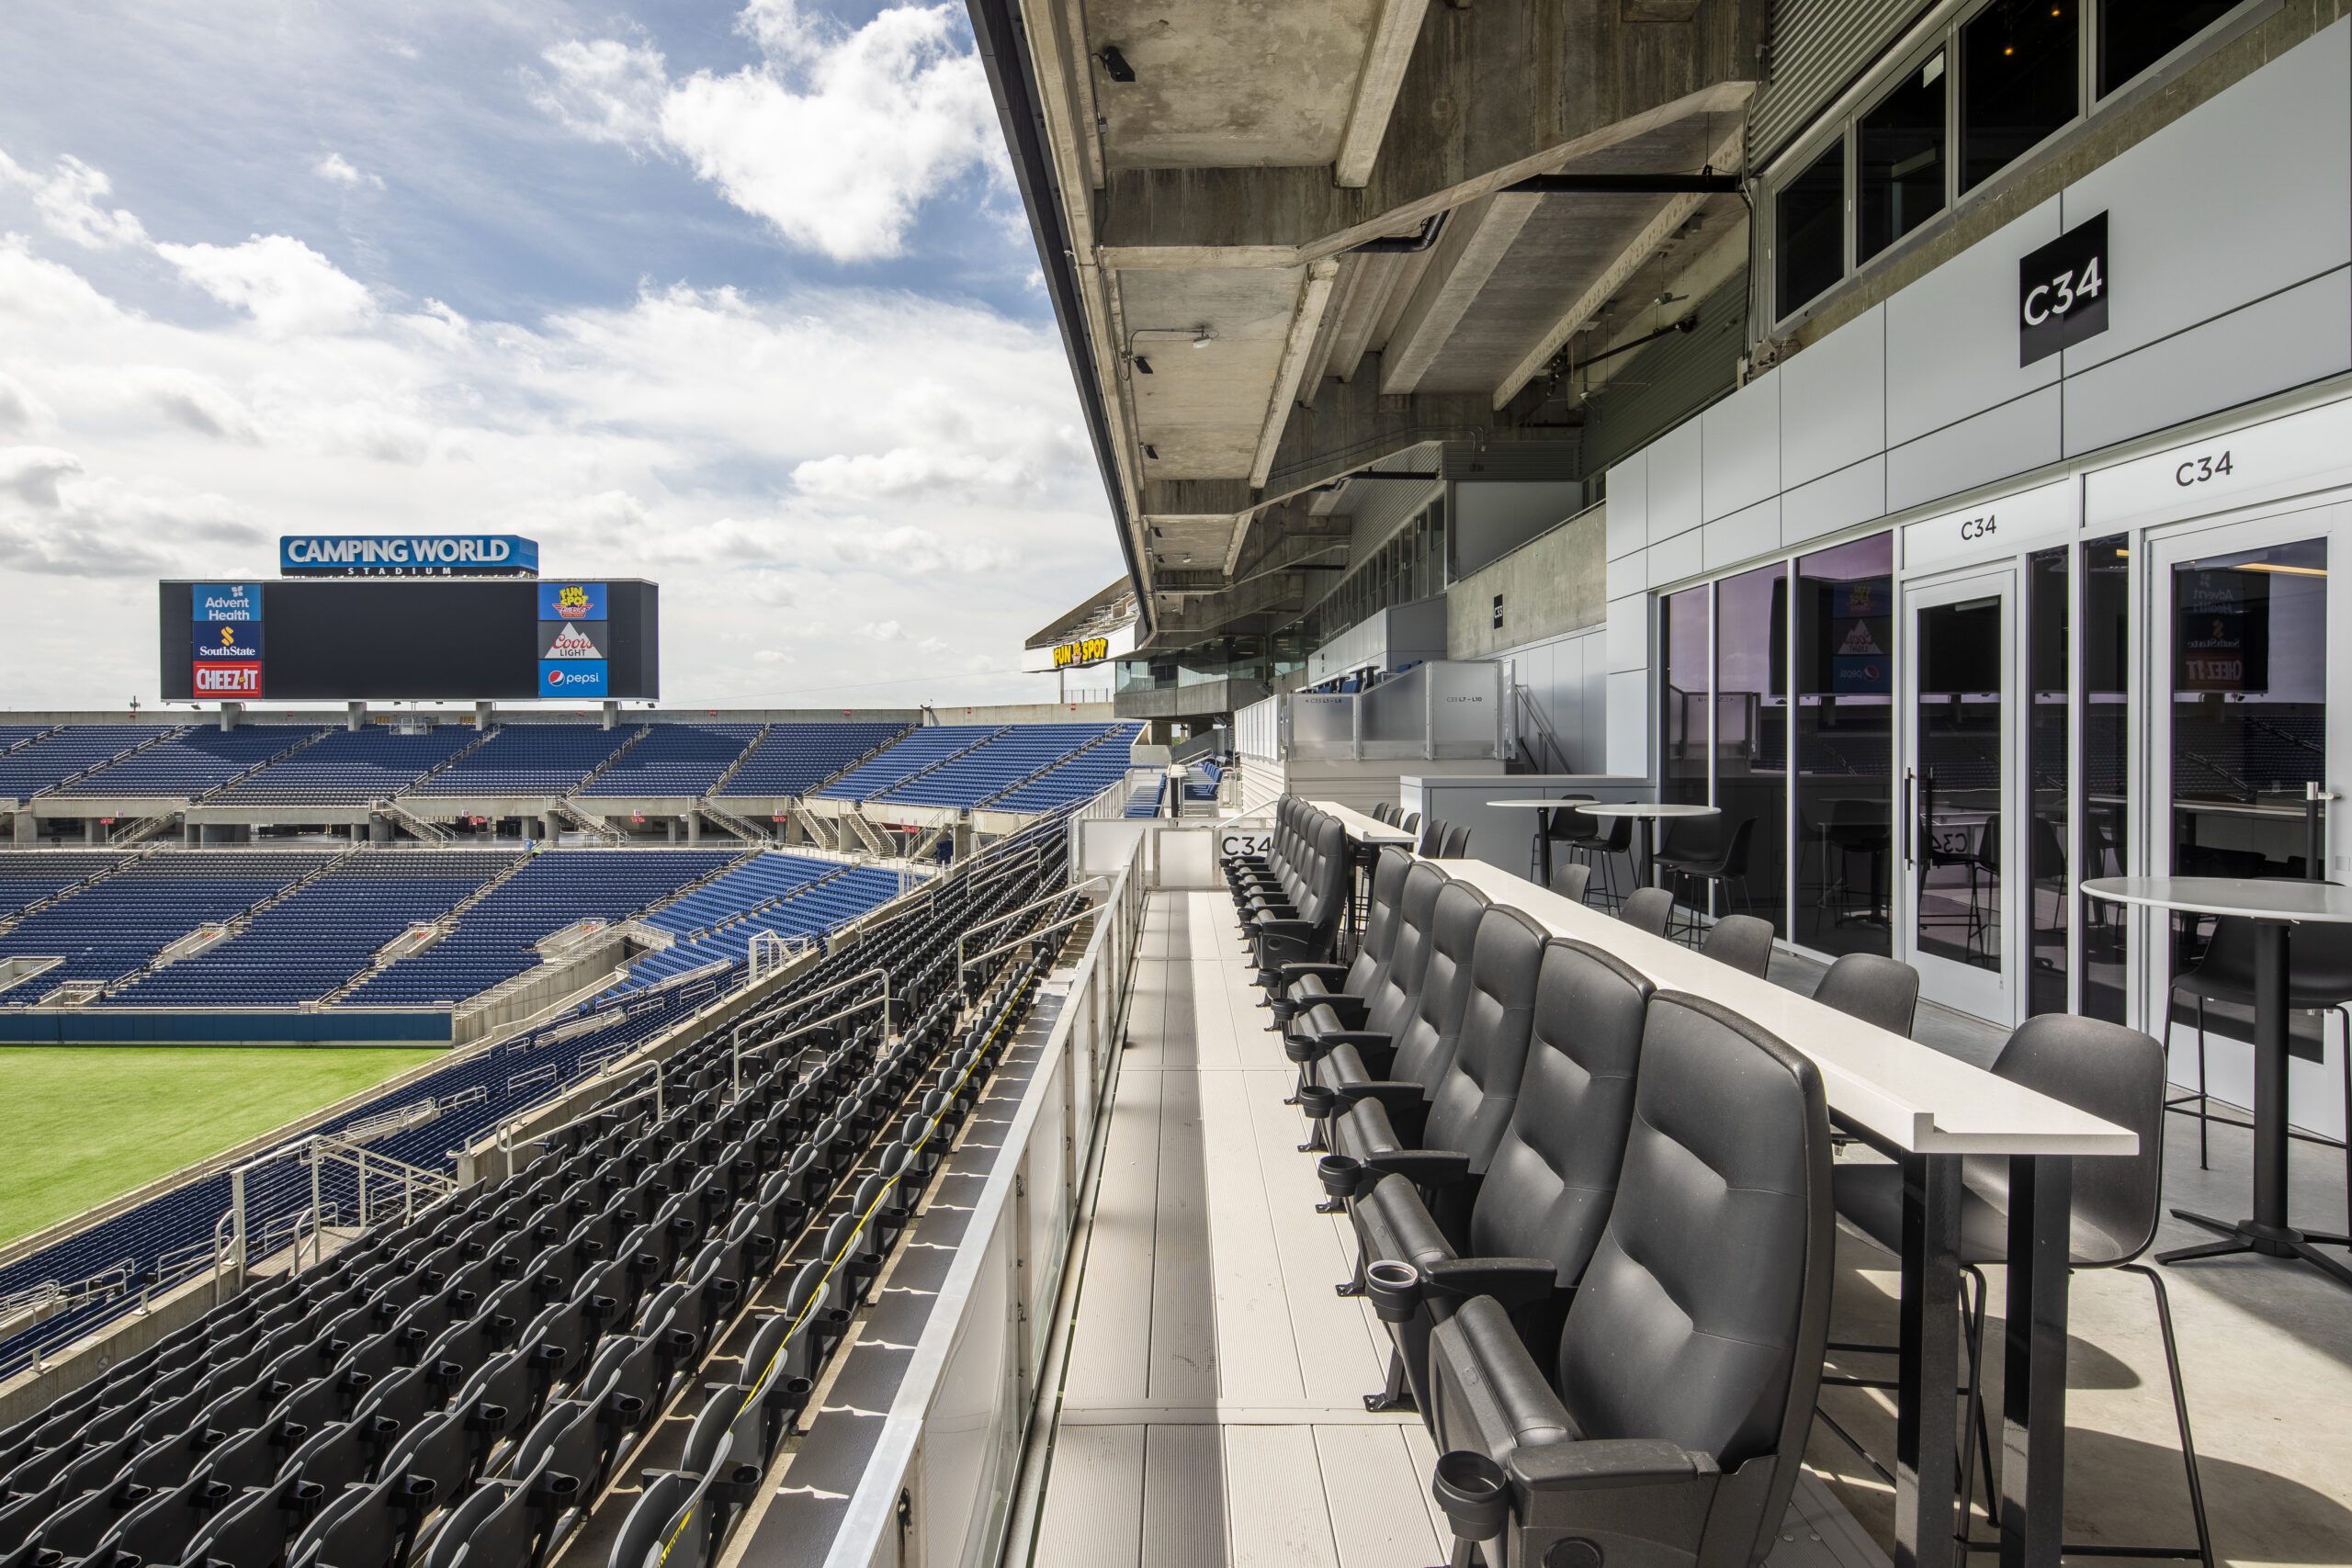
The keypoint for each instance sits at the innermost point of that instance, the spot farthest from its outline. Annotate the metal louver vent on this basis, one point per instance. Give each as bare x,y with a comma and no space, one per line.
1819,47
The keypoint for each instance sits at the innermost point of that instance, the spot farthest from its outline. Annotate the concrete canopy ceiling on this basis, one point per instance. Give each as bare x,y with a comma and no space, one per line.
1227,188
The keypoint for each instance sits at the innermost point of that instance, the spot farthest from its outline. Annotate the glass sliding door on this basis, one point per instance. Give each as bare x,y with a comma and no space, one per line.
2047,656
1746,841
2244,733
2101,802
1686,669
1960,688
1843,681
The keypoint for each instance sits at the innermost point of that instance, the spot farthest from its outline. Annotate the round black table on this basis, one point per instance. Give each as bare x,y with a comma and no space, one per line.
2274,907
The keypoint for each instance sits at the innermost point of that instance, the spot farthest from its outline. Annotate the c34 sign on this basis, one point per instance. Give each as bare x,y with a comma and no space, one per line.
2063,290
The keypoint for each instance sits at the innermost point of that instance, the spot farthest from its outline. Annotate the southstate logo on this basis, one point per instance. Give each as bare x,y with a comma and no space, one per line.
571,602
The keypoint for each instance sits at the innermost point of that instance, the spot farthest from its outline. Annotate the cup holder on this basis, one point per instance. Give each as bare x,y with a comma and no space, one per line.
1395,1289
1316,1100
1472,1490
1340,1175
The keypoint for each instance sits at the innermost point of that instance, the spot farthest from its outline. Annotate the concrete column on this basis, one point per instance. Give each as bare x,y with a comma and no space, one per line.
693,827
673,829
485,715
355,716
229,714
794,833
93,832
380,830
612,715
962,840
190,835
26,828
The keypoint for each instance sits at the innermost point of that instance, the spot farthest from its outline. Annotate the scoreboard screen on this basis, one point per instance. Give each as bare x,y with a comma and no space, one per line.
340,640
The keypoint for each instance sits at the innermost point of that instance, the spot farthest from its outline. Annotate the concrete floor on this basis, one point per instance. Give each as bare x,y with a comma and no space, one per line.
2266,1355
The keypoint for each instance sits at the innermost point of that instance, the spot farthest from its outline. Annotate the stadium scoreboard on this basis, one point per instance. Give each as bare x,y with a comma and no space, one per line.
388,637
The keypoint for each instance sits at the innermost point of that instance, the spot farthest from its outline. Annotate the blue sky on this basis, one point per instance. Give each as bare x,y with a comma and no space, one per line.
735,295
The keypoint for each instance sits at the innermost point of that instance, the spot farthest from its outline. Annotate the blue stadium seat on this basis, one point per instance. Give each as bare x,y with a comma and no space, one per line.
193,763
531,759
675,759
351,767
794,758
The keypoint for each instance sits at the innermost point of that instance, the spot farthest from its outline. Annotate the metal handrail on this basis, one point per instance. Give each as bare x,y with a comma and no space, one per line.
1000,920
1085,913
735,1040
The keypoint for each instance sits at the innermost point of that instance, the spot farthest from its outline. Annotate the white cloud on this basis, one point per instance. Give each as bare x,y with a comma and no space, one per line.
336,169
32,473
751,453
70,204
836,137
284,285
604,90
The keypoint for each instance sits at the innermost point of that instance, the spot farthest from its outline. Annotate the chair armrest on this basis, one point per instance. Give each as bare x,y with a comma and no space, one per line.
1395,1095
1348,1009
1293,972
1512,1281
1269,924
1607,1464
1375,1046
1424,1168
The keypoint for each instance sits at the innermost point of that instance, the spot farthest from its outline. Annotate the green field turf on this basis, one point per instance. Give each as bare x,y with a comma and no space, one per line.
82,1125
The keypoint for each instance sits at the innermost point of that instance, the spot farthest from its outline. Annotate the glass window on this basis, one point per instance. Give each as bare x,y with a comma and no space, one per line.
1961,713
2135,34
1682,698
2107,695
1844,748
1744,842
2046,692
2249,730
1809,249
2019,79
1899,160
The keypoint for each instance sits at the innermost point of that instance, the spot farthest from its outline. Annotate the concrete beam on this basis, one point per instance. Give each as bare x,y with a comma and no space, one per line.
1676,212
1475,242
1393,33
1304,325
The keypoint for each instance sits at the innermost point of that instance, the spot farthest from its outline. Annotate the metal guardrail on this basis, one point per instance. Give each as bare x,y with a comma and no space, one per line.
1008,1268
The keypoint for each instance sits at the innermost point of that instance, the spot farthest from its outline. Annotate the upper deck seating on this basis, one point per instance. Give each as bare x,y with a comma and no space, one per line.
880,774
782,893
675,759
320,936
795,758
494,939
49,762
196,761
29,877
1021,754
351,767
112,927
15,735
529,759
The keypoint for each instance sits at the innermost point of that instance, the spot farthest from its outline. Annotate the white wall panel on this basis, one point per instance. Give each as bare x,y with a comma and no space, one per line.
1628,633
1853,494
1951,341
1740,450
2274,344
2007,440
1754,532
1628,503
1678,558
1628,723
2249,194
1833,400
1628,574
1674,481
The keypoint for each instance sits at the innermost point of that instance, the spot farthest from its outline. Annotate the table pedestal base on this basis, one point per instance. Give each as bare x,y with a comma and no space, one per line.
2271,1241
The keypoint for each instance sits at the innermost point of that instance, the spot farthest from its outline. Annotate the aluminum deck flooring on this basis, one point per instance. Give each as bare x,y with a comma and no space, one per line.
1210,1408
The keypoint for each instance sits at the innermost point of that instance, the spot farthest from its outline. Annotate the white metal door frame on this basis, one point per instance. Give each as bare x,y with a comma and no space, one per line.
1994,995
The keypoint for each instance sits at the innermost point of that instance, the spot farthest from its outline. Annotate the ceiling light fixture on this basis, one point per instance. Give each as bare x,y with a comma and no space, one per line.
1143,366
1114,64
